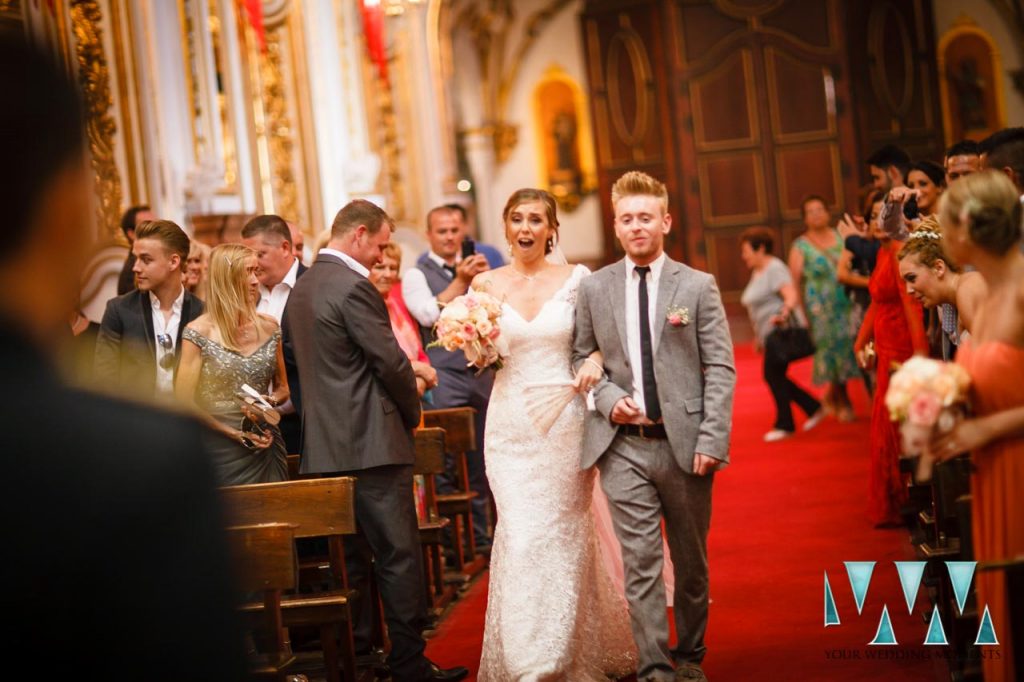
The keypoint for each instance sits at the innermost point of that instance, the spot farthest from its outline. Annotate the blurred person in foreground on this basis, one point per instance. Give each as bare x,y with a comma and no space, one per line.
113,545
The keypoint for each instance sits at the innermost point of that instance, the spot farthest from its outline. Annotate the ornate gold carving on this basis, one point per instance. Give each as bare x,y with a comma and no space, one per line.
10,9
278,128
94,77
489,25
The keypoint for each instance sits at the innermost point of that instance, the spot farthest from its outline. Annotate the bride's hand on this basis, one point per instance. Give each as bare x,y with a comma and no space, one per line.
590,372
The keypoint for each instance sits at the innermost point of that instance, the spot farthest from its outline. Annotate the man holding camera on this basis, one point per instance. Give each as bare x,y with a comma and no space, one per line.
443,274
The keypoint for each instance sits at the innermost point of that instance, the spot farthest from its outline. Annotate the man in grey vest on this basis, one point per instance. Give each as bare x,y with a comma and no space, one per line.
438,278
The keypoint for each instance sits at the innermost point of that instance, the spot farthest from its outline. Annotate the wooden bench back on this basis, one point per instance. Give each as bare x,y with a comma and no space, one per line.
264,556
430,444
317,507
459,429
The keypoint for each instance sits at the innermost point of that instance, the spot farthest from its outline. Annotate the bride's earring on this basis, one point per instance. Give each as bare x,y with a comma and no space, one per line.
509,249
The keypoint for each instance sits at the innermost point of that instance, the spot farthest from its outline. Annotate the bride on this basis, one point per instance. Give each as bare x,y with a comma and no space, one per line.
552,611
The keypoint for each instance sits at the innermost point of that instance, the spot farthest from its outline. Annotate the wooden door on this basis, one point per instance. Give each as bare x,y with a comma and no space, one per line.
763,112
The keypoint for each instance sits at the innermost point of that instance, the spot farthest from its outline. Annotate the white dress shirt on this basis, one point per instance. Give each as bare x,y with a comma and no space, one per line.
165,377
348,260
272,301
633,320
422,304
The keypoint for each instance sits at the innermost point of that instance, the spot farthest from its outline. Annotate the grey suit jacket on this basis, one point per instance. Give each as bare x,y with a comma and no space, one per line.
693,363
359,400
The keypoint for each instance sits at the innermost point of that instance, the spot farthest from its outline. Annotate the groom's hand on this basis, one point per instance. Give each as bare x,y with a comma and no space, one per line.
703,464
627,412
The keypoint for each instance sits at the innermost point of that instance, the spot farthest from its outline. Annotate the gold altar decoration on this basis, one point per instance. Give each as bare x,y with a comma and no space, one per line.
489,25
94,78
565,157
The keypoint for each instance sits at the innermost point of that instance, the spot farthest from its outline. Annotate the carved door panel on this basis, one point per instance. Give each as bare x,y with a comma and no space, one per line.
892,63
761,107
628,74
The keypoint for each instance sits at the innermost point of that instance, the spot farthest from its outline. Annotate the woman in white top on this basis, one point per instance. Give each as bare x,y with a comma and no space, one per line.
771,299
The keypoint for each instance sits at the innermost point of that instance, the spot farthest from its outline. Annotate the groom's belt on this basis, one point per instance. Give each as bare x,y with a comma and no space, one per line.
644,431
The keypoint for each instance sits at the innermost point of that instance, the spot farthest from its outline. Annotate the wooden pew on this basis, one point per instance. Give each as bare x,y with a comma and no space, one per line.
430,450
460,438
319,507
264,562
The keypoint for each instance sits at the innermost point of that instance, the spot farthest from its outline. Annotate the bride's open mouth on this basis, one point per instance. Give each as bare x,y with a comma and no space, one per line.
525,243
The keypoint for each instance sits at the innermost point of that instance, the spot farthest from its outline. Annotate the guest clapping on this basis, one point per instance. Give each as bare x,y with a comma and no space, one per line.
772,301
228,347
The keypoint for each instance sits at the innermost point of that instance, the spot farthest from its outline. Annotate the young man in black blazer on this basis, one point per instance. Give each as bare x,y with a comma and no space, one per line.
114,554
139,341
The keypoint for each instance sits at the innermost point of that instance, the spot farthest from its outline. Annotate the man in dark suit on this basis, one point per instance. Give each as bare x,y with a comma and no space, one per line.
132,218
278,269
359,410
114,555
139,342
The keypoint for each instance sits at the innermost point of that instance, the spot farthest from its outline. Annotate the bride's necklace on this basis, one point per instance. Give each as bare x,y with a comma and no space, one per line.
528,278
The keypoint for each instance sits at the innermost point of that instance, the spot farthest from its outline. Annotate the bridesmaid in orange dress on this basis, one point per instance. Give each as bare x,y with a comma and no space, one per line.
981,219
895,323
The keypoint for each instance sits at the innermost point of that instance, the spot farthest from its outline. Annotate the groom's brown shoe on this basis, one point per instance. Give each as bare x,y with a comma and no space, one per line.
690,672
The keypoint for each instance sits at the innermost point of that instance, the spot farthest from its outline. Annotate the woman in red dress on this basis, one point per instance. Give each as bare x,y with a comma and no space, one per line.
894,322
981,218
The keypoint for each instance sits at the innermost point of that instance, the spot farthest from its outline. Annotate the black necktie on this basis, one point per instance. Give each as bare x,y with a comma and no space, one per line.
653,407
450,269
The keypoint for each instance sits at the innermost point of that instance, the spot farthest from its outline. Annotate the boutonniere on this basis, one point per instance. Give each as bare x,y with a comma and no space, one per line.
678,317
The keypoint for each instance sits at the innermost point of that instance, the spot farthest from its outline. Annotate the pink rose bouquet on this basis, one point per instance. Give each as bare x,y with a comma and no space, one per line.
925,395
470,323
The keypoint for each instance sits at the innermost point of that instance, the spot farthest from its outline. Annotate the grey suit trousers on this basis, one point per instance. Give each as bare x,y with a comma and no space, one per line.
643,482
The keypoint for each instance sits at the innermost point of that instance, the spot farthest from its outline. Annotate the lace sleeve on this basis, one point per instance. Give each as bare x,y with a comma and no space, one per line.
578,273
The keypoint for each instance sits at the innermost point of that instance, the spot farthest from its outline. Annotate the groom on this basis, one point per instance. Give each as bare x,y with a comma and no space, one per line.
664,413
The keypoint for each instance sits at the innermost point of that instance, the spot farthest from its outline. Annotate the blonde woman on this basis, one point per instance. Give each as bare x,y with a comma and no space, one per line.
196,266
227,347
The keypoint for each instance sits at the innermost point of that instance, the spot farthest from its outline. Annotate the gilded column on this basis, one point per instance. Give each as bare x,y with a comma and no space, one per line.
94,78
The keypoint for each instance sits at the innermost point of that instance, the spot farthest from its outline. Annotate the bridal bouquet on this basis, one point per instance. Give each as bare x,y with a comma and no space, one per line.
926,395
470,323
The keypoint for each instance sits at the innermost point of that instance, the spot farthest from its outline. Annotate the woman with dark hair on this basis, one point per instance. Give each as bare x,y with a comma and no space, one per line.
813,260
230,346
927,180
981,218
771,301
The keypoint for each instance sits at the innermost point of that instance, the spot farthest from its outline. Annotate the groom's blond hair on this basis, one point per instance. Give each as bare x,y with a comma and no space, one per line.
636,183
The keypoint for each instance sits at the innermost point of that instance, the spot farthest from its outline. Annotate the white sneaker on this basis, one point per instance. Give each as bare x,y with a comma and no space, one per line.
776,435
814,419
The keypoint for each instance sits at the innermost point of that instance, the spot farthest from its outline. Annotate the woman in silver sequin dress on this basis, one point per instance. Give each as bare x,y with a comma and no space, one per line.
229,346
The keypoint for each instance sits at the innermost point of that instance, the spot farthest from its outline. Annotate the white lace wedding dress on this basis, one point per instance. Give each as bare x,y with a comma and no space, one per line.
552,612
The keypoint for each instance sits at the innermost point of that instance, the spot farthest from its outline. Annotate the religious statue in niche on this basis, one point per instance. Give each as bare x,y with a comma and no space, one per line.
563,136
972,101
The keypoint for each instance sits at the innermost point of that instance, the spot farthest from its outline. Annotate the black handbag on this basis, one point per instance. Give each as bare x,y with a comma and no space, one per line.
789,342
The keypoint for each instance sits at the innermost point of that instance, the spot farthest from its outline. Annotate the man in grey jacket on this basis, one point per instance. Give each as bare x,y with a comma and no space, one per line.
360,405
663,419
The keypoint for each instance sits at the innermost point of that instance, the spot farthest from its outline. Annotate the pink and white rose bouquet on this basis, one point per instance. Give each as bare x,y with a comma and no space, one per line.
470,323
926,395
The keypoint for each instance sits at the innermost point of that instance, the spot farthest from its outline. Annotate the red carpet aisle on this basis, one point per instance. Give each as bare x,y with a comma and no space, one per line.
783,514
